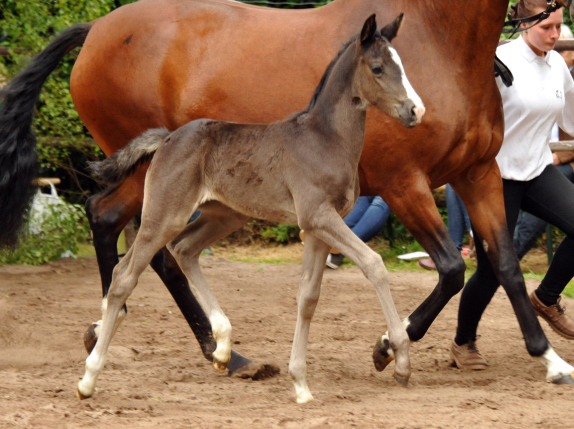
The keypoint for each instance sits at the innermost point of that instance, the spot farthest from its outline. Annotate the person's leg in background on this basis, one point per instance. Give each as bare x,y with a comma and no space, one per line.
458,223
529,227
366,220
359,210
551,197
458,220
372,220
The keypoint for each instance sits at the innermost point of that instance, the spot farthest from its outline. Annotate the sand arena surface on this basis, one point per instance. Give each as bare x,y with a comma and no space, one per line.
155,375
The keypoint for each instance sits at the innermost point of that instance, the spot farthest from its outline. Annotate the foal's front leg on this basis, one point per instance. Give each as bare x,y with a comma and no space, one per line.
331,229
314,258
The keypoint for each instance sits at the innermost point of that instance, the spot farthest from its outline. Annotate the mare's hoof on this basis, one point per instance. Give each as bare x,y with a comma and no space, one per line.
381,355
255,371
564,379
403,381
90,338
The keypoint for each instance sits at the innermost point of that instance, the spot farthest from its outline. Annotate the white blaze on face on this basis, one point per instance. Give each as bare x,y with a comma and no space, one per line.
419,108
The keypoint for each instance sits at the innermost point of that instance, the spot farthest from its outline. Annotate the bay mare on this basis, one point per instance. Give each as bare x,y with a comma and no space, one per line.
162,63
300,170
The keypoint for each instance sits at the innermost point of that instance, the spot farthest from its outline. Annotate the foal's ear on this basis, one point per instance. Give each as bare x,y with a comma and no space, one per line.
369,30
391,30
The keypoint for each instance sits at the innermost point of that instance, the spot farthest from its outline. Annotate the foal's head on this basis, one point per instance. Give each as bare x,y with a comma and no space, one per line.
380,78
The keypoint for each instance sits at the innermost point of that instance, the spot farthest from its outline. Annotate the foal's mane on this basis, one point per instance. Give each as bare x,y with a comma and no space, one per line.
325,76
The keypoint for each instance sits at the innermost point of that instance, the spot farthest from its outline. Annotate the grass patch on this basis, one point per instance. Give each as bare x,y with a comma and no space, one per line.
569,289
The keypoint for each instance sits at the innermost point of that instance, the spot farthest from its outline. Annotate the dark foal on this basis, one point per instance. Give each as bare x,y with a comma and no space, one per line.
302,170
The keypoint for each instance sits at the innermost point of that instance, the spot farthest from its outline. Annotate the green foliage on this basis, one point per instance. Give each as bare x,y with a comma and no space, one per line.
67,159
62,230
26,28
282,233
569,290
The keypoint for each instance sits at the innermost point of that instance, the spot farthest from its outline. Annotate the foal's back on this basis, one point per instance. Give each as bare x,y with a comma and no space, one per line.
256,169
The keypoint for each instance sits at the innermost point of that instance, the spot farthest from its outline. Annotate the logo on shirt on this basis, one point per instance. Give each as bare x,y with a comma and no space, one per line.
559,94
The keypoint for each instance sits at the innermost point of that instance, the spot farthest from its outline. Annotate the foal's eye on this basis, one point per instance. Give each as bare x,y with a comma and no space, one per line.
377,71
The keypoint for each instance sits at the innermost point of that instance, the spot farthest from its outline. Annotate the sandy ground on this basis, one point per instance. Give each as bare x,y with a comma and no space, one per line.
155,375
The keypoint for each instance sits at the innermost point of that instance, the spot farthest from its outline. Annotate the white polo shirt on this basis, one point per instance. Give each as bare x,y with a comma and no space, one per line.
542,93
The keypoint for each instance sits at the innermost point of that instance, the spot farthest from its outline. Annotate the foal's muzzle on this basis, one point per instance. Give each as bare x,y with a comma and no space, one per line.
409,113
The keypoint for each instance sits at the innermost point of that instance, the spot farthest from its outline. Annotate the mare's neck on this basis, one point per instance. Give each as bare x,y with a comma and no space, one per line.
335,109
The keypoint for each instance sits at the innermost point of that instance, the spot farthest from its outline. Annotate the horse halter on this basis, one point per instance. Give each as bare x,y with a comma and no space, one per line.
551,6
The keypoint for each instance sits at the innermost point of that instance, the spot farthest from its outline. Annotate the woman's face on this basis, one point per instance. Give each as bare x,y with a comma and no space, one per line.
542,37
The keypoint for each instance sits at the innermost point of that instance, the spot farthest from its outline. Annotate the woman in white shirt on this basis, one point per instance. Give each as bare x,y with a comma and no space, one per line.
542,93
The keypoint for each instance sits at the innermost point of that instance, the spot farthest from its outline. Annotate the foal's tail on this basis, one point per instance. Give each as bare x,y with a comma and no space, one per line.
18,159
125,162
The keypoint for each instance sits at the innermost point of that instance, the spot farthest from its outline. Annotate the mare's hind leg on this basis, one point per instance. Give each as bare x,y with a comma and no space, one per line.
416,209
218,222
152,236
108,213
330,228
314,257
485,204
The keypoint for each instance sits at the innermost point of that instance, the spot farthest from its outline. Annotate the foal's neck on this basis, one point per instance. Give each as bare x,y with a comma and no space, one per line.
335,108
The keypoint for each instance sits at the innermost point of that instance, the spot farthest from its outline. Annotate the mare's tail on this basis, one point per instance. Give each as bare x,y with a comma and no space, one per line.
18,159
125,162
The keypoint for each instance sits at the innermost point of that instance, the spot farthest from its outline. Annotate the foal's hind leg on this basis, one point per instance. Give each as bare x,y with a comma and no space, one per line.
314,257
148,241
330,228
108,213
218,222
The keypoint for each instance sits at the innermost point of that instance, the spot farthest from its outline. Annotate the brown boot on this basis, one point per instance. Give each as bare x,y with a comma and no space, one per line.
467,356
554,315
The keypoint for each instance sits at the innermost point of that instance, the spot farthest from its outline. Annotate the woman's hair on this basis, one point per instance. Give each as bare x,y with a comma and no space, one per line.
526,8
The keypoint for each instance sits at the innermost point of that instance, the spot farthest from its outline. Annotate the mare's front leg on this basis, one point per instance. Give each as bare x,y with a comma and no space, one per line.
328,226
416,209
481,191
314,258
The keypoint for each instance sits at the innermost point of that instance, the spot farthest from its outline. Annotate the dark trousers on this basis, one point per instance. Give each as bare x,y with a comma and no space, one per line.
550,197
529,227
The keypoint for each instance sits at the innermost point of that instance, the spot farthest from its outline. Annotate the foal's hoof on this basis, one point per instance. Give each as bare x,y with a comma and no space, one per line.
402,380
382,354
90,338
255,371
563,379
220,366
80,396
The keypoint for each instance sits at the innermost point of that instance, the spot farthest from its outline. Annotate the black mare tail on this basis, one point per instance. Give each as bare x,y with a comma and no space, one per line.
18,158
